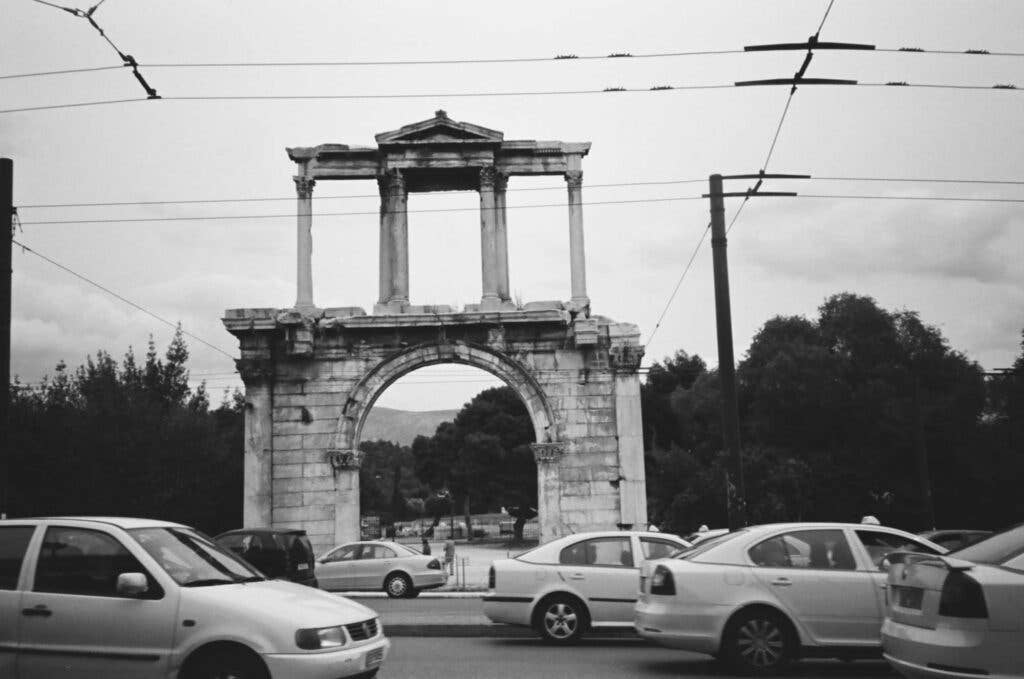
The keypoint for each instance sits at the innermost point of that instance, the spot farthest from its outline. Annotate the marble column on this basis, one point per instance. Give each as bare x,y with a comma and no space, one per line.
398,219
548,457
257,465
384,270
501,236
488,239
577,258
304,264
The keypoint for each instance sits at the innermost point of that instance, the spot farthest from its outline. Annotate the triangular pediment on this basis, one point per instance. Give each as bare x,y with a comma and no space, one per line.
440,129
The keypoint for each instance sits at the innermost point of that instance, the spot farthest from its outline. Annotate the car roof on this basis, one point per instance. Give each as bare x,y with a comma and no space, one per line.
125,522
263,531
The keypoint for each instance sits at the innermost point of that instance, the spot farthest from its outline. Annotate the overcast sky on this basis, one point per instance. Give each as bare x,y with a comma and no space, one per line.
958,264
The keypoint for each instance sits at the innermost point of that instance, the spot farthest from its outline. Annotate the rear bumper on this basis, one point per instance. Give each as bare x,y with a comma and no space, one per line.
430,580
512,610
696,628
944,652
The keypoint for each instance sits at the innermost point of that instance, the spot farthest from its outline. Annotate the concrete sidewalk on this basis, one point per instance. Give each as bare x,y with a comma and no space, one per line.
451,614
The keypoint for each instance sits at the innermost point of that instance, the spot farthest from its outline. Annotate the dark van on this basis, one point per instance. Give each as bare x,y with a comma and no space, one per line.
284,554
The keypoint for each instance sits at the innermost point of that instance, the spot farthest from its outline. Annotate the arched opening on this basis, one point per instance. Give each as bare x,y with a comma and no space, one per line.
461,468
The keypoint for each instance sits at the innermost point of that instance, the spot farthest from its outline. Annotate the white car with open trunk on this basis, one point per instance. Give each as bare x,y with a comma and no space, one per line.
573,583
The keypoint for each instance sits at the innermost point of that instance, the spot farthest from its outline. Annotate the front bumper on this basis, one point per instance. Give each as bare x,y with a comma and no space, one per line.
343,662
694,628
944,652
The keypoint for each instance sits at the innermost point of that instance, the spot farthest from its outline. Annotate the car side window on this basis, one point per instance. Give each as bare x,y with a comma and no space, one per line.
82,561
13,544
598,552
813,549
382,552
346,553
879,544
654,548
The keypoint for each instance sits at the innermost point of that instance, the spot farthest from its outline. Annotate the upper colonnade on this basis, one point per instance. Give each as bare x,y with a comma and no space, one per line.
440,154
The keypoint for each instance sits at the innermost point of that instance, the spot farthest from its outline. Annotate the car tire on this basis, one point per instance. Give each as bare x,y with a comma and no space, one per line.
413,593
561,619
758,642
398,585
221,663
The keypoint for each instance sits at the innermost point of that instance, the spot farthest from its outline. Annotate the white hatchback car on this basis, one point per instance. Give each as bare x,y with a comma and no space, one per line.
97,598
568,585
762,596
961,615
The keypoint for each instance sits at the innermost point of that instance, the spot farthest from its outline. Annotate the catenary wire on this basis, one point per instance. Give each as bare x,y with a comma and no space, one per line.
123,299
686,270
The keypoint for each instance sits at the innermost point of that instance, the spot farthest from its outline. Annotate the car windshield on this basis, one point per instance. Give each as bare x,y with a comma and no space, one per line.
191,559
996,549
704,546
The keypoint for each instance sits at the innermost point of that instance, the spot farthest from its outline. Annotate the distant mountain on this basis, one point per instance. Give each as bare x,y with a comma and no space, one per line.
402,426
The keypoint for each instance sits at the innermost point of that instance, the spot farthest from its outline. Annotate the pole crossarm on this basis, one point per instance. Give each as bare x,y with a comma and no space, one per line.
812,43
795,81
749,193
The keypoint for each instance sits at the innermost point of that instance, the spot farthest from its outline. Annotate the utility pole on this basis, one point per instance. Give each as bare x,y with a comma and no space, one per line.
7,216
736,493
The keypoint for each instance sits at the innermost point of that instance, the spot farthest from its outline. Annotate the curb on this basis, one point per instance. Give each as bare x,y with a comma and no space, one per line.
496,632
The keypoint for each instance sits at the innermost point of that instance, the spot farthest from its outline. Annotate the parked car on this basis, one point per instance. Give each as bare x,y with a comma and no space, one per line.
955,539
960,615
285,554
92,597
400,571
568,585
759,597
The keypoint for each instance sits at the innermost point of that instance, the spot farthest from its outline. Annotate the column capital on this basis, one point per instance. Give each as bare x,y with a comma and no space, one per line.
546,453
304,186
574,178
255,370
344,459
392,179
488,177
500,180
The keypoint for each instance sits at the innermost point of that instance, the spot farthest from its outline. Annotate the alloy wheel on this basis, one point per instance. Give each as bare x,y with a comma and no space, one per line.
760,643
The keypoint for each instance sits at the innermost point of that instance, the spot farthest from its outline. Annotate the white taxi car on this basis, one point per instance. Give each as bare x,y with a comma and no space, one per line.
959,615
762,596
568,585
97,598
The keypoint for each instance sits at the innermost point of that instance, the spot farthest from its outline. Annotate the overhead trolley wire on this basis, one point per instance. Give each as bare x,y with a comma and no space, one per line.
123,299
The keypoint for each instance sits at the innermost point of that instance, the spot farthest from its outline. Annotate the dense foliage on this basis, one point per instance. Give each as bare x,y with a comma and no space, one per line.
127,440
861,411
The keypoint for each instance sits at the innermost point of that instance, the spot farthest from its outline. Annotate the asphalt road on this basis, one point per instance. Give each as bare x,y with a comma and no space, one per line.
440,658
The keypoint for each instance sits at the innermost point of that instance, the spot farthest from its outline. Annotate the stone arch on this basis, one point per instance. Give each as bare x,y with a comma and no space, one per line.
378,378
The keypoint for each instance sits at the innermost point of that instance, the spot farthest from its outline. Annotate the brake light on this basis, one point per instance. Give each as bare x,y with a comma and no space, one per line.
434,565
491,578
662,582
962,597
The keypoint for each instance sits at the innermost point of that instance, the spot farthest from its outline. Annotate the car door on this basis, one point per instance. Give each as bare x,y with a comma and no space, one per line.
814,577
878,544
658,548
602,570
375,562
336,569
75,624
14,543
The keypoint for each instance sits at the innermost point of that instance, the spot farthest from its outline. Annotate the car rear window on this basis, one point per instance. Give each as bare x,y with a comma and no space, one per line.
13,543
996,549
710,543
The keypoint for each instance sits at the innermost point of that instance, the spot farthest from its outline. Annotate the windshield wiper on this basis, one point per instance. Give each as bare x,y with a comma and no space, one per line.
209,581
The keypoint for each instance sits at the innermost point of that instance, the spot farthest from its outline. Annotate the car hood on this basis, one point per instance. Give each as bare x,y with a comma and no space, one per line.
285,601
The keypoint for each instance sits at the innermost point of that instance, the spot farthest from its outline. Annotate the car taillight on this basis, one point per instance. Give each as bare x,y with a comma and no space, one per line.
491,578
434,565
662,582
962,597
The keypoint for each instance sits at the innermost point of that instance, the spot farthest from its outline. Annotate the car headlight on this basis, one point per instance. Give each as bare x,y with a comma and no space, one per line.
322,637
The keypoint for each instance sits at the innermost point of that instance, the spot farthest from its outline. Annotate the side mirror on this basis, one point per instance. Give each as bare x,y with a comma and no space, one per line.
884,565
132,584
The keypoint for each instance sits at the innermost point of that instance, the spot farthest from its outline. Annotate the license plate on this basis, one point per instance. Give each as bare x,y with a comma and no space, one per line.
374,658
908,597
302,567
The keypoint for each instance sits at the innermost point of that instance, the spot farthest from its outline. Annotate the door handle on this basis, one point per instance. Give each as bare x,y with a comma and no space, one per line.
782,582
575,576
40,611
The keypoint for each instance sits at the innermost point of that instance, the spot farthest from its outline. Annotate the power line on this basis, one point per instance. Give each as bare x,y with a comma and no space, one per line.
359,196
1004,87
123,299
686,270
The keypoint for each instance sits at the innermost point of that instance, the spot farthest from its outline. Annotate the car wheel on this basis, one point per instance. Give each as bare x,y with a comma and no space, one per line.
226,664
413,593
398,585
758,642
560,619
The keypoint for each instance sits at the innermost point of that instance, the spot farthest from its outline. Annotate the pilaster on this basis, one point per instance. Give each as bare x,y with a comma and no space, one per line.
548,457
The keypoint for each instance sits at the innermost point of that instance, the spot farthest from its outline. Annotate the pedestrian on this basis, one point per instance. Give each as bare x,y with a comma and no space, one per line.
449,555
426,546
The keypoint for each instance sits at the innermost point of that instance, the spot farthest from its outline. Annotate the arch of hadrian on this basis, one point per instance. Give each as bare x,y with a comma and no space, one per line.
312,373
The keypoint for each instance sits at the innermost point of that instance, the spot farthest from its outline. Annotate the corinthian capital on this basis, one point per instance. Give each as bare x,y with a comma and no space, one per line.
546,453
500,181
304,186
488,177
574,178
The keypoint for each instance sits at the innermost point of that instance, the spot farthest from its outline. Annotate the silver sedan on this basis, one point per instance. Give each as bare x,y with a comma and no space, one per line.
370,566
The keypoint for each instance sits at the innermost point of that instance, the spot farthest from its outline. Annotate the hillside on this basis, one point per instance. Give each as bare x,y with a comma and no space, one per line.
402,426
